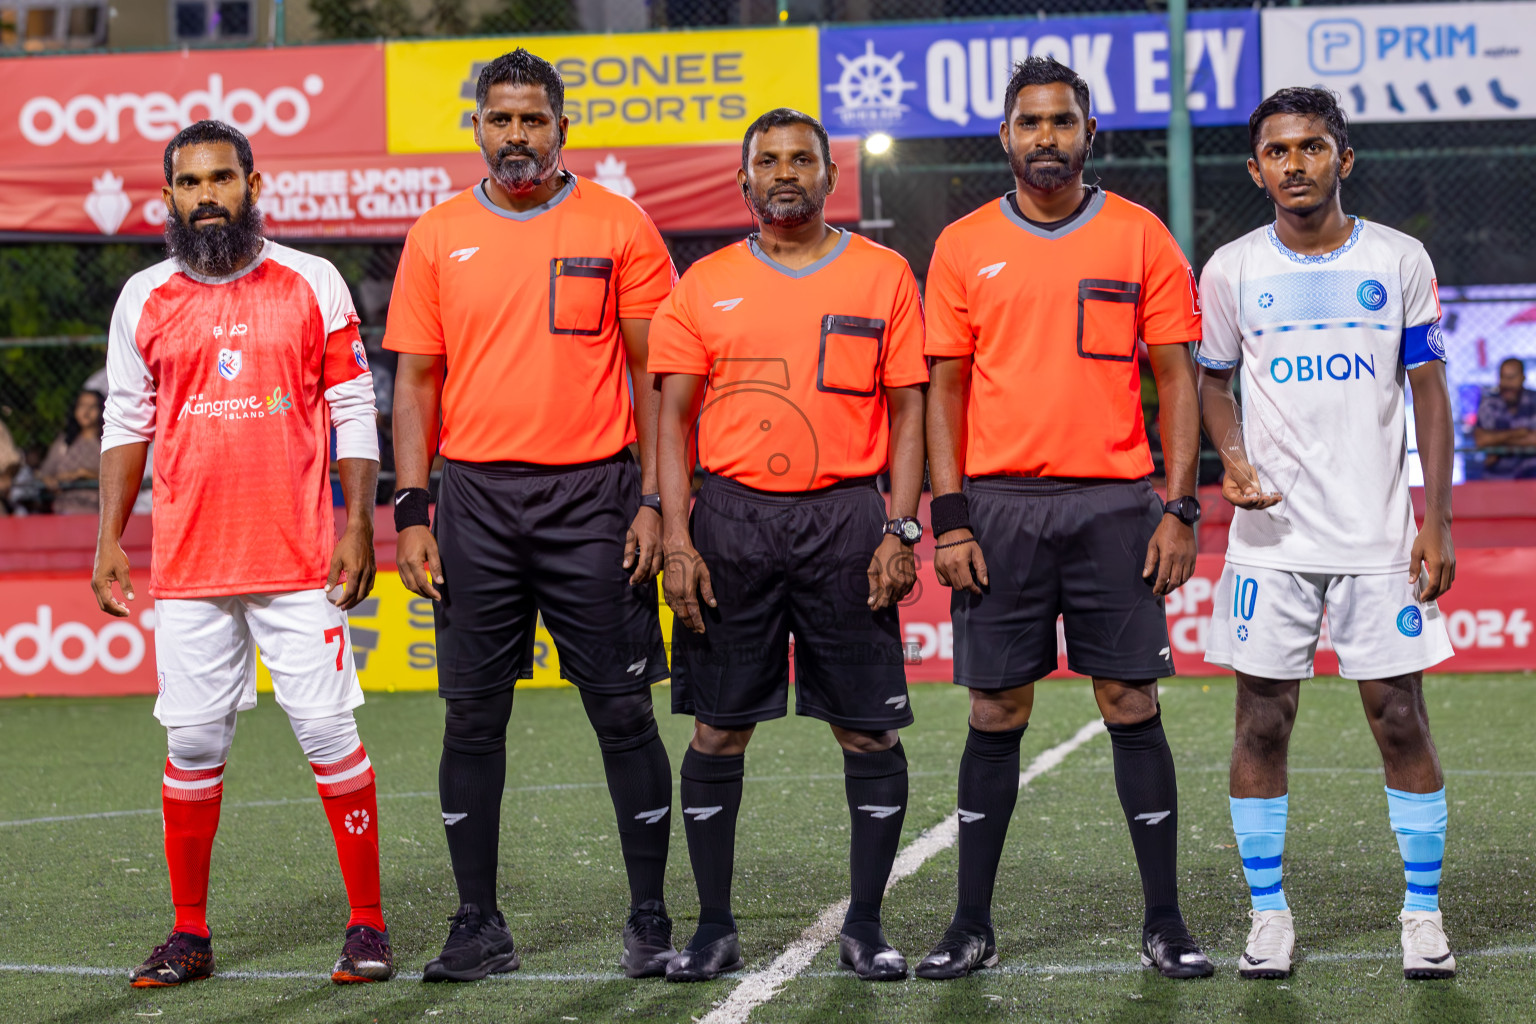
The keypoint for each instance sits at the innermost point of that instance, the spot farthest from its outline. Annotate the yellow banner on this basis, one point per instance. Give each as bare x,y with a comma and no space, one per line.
631,89
394,643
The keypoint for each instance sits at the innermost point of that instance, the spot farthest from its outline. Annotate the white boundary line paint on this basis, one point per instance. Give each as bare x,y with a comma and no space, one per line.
760,986
1102,968
306,801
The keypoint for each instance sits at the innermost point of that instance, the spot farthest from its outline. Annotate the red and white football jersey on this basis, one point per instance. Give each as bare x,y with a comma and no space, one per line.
238,381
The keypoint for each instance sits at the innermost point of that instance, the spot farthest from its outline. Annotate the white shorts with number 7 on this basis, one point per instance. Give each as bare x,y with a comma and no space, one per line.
206,650
1267,623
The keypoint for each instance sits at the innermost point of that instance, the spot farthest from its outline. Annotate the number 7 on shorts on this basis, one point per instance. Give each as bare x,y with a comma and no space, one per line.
334,633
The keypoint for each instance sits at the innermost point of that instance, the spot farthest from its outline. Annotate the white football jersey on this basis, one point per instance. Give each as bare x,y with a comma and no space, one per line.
1323,342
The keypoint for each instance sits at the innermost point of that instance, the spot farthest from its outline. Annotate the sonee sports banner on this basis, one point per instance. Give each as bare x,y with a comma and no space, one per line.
626,89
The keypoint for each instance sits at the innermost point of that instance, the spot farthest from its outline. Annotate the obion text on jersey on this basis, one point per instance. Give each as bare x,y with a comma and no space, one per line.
1338,366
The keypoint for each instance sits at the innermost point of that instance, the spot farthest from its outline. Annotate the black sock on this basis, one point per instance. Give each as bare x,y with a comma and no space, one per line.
711,796
1149,793
470,780
640,783
989,789
876,784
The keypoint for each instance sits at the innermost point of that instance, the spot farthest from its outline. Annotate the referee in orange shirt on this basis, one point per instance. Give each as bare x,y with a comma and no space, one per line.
797,356
517,306
1041,502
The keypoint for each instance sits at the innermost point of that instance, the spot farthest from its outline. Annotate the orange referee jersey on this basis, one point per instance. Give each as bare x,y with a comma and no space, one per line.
797,361
1052,318
526,308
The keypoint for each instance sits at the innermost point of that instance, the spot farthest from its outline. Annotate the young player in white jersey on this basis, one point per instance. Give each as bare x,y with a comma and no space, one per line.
237,356
1325,315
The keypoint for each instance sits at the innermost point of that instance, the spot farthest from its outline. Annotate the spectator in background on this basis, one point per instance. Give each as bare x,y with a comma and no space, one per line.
10,463
384,403
73,464
26,495
1506,418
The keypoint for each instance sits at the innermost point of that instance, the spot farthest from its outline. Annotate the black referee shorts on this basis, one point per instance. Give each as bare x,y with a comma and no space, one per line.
1058,547
786,564
519,541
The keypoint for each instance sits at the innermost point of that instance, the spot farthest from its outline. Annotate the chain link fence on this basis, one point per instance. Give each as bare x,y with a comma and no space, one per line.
371,19
1461,187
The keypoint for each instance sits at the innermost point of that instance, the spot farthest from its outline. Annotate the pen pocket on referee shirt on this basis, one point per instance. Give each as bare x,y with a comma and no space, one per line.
1106,319
578,294
849,363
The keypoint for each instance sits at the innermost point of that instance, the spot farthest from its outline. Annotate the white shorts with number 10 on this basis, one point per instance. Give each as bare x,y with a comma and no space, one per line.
1267,623
205,649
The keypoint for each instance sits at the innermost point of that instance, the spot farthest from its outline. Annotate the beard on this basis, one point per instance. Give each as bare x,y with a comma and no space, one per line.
1035,171
219,249
805,208
521,176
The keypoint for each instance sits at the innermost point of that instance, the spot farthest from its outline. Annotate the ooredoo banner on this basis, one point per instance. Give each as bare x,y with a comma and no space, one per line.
683,188
121,109
55,641
624,89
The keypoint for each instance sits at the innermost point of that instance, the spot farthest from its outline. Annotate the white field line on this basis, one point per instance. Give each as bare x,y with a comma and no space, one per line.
760,986
546,788
1096,967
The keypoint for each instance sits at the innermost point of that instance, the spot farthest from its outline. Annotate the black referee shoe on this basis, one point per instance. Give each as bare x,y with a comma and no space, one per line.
647,941
477,946
963,949
1168,948
717,958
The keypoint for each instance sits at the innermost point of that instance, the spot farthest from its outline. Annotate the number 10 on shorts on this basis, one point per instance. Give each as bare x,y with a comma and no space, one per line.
1245,595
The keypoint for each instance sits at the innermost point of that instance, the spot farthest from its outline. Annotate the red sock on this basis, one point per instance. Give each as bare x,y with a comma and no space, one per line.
190,798
352,807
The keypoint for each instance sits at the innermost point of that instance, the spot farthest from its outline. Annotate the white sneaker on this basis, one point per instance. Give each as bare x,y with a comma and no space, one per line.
1426,954
1271,941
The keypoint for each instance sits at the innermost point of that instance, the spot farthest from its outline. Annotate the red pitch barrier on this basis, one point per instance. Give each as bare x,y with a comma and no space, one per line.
55,641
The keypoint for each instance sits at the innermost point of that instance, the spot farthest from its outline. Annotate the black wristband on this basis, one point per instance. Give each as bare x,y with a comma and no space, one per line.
950,512
411,507
652,502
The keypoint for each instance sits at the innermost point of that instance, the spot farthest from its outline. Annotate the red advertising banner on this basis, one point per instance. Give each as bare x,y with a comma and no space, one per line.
683,188
55,641
119,110
1490,612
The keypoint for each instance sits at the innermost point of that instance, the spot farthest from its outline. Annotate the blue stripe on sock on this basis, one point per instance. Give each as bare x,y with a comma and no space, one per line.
1261,863
1414,865
1424,890
1270,890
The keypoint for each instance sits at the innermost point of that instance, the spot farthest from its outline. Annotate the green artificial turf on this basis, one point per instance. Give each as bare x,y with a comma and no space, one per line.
92,893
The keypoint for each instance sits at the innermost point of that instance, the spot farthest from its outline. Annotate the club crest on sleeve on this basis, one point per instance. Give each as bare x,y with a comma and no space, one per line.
1435,340
359,354
229,363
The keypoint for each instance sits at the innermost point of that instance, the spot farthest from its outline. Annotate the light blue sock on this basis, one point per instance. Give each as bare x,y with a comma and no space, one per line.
1259,825
1419,821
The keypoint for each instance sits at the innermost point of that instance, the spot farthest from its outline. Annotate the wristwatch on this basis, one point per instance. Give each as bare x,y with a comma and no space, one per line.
651,501
1186,508
907,529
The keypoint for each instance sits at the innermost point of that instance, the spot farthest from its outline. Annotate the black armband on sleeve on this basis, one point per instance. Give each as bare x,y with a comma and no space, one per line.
950,512
411,507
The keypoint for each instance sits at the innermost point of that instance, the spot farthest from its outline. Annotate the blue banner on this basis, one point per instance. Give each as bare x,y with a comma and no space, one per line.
947,78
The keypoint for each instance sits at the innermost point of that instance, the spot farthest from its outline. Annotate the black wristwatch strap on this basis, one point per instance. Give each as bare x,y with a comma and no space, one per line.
651,501
1186,509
